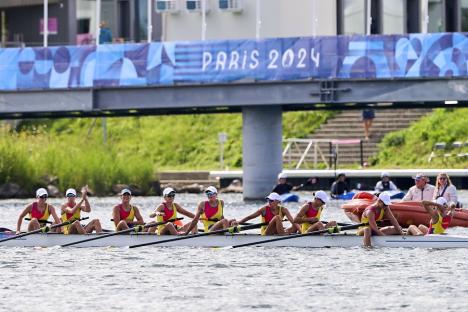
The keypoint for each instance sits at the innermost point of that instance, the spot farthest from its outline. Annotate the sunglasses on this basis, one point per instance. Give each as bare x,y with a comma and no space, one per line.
71,195
126,194
442,178
210,194
170,195
43,196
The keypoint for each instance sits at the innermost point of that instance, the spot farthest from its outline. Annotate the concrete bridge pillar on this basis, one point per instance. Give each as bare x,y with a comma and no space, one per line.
261,149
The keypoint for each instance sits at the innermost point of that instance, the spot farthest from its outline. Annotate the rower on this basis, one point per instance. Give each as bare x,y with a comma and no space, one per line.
441,215
167,212
309,214
39,212
377,212
210,212
71,210
273,213
124,214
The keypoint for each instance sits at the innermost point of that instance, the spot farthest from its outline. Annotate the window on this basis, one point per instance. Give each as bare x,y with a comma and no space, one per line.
393,16
464,15
436,14
352,17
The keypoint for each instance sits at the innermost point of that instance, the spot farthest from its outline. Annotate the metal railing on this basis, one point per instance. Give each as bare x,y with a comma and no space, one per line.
295,147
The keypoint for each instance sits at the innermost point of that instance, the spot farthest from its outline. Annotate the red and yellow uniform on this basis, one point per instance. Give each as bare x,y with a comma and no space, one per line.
311,213
127,216
42,217
211,215
441,225
70,216
169,215
268,215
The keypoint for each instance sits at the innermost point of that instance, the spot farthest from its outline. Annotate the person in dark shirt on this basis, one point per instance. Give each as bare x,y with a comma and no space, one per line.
339,187
282,187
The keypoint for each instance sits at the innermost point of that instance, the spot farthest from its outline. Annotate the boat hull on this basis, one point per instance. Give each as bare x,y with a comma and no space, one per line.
333,240
406,212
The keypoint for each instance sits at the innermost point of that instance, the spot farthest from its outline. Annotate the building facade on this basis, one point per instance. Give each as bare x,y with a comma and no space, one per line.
75,21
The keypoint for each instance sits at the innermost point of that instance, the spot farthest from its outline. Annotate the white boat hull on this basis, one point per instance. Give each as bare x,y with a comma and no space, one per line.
334,240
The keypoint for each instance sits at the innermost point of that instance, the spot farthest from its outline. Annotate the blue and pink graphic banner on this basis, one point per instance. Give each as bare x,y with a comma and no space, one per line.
282,59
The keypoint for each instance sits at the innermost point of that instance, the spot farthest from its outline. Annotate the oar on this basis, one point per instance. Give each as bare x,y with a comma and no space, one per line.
42,229
147,225
232,229
349,227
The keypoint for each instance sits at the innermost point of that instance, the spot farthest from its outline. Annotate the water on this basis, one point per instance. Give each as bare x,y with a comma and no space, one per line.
248,279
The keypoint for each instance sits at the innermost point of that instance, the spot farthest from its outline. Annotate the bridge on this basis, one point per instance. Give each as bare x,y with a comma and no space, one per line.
260,78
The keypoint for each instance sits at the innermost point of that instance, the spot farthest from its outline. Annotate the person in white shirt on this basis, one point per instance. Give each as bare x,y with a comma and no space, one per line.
385,184
444,188
422,190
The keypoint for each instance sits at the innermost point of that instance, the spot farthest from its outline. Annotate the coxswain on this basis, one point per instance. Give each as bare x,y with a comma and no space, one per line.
125,215
377,212
39,213
71,210
441,215
309,214
168,211
385,184
210,212
273,213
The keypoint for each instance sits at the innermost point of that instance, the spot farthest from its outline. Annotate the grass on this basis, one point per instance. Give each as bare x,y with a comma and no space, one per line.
136,149
411,147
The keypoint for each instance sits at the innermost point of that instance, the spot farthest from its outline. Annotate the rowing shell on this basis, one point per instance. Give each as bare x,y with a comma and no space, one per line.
333,240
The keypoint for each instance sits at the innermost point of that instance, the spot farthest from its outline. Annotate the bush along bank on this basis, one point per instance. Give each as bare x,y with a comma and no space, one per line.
73,151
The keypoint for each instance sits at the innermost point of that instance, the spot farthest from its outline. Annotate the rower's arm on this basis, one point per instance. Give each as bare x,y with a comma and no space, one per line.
373,224
291,219
184,212
393,221
139,218
71,210
251,216
157,212
23,214
116,215
301,218
86,207
54,214
195,219
429,206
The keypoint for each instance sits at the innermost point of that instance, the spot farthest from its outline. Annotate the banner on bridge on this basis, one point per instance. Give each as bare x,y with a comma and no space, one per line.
283,59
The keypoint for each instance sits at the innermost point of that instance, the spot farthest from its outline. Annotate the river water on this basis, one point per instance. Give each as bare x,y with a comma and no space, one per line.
244,279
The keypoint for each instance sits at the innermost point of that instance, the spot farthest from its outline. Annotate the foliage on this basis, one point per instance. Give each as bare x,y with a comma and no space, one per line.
411,147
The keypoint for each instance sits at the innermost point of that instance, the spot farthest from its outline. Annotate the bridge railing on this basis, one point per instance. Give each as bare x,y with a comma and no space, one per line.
302,148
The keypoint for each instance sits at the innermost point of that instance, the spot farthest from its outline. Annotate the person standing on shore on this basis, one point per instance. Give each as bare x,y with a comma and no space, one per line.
126,215
39,213
71,210
368,116
422,190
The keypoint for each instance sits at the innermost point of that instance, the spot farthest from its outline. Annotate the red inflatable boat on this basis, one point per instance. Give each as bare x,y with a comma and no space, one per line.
406,212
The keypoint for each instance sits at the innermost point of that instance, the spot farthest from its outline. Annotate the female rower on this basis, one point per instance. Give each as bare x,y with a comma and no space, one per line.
441,216
272,214
71,210
377,212
167,211
210,212
39,212
309,215
444,188
124,214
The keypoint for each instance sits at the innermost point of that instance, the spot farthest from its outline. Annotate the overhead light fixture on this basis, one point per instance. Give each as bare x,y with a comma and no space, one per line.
451,102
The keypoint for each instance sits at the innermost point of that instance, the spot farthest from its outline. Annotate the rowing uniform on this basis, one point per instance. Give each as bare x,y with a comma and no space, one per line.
170,215
441,225
42,217
127,216
70,216
365,219
268,215
311,213
211,215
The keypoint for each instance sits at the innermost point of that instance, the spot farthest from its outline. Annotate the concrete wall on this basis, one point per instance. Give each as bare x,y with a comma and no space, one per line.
279,18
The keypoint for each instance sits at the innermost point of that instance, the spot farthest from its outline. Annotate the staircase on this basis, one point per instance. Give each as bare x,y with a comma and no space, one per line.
348,125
